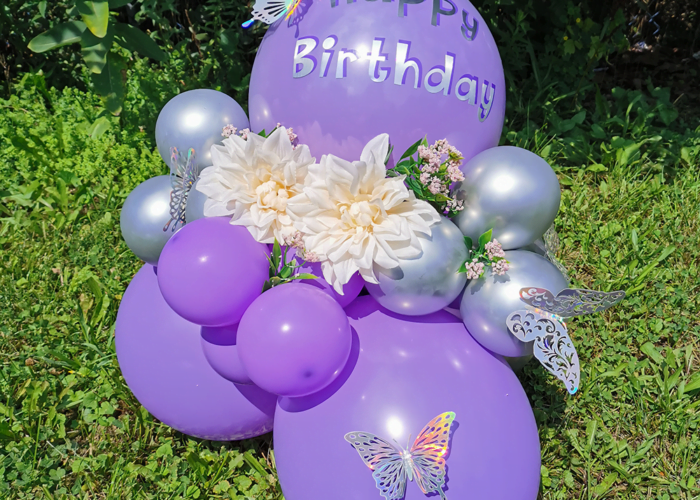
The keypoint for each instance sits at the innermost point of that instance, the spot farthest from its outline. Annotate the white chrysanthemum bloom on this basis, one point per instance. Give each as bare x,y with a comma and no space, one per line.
253,180
353,216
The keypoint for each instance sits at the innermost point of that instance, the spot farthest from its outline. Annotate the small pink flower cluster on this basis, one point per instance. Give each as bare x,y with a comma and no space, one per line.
229,130
475,269
494,249
500,267
438,175
296,241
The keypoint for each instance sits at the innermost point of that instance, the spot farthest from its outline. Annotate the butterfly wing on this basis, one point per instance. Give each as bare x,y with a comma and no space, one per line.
552,346
183,176
570,302
269,11
429,451
385,460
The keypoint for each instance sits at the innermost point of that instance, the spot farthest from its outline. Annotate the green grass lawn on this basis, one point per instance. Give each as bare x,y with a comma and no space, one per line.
70,428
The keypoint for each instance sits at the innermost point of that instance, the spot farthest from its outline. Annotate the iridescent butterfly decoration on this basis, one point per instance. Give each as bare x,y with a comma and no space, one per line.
182,178
269,11
543,324
392,466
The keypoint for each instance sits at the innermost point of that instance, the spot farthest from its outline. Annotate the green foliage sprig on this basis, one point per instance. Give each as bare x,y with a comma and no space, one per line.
283,271
488,254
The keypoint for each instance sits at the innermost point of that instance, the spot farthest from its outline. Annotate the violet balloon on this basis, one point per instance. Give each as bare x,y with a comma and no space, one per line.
294,340
163,364
341,73
350,290
221,350
402,373
210,271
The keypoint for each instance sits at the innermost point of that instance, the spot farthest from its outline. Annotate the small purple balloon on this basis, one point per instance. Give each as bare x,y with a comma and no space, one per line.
350,290
163,364
342,72
294,340
402,373
210,271
220,349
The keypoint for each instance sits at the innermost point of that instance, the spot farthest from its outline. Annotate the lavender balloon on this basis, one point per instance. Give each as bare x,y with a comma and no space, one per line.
162,362
294,340
350,290
221,350
342,72
210,271
402,373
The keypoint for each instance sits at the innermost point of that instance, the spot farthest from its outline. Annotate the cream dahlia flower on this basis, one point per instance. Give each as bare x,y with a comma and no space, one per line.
353,216
253,180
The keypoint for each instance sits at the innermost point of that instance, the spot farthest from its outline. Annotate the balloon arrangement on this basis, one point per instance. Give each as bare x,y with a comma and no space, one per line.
320,297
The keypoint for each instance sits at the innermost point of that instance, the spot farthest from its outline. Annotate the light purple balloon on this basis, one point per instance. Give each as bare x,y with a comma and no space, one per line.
210,271
294,340
220,349
350,290
402,373
336,107
161,359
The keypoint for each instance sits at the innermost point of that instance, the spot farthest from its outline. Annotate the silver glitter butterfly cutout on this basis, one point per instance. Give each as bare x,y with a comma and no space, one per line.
183,176
545,326
393,466
553,348
570,302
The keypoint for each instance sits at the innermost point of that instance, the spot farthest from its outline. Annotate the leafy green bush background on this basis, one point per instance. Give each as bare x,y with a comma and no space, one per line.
628,159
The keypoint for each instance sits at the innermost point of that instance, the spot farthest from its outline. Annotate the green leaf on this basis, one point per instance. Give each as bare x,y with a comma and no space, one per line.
412,150
58,36
485,238
597,167
468,243
694,383
95,14
462,268
305,276
115,4
99,127
388,154
42,9
649,349
135,40
286,272
605,484
95,50
109,84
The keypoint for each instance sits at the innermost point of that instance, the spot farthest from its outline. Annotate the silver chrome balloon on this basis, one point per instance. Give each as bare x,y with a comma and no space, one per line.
195,119
428,283
510,190
195,204
144,214
489,300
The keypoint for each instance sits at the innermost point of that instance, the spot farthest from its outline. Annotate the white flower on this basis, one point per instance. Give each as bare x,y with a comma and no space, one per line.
253,180
353,216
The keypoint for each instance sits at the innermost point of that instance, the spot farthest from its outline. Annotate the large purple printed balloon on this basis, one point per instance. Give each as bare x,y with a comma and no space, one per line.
343,72
402,373
161,359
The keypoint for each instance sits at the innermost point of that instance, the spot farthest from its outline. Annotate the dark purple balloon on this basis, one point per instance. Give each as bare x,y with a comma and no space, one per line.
210,271
220,349
161,359
337,104
350,290
402,373
294,340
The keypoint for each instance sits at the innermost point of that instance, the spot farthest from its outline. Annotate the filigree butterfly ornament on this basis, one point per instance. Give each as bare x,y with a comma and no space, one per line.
552,346
184,175
269,11
551,247
544,325
392,466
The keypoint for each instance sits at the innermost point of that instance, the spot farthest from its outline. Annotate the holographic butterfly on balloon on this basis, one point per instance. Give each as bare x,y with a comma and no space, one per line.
269,11
392,466
183,176
543,324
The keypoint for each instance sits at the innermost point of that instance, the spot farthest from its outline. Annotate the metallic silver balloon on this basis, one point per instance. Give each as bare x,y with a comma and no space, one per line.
144,214
195,119
489,300
510,190
195,204
536,247
428,283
